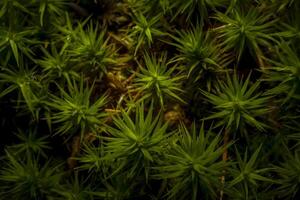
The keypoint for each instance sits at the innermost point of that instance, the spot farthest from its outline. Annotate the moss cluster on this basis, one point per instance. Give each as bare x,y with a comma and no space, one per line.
149,99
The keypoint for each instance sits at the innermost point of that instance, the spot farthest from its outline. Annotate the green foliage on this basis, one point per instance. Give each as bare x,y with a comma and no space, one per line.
25,81
27,179
247,29
192,164
201,54
283,5
135,142
156,81
200,9
247,175
58,64
117,83
30,144
289,172
292,130
238,103
156,6
15,40
90,50
91,158
289,26
145,30
50,7
285,73
118,188
66,32
10,7
75,112
76,190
